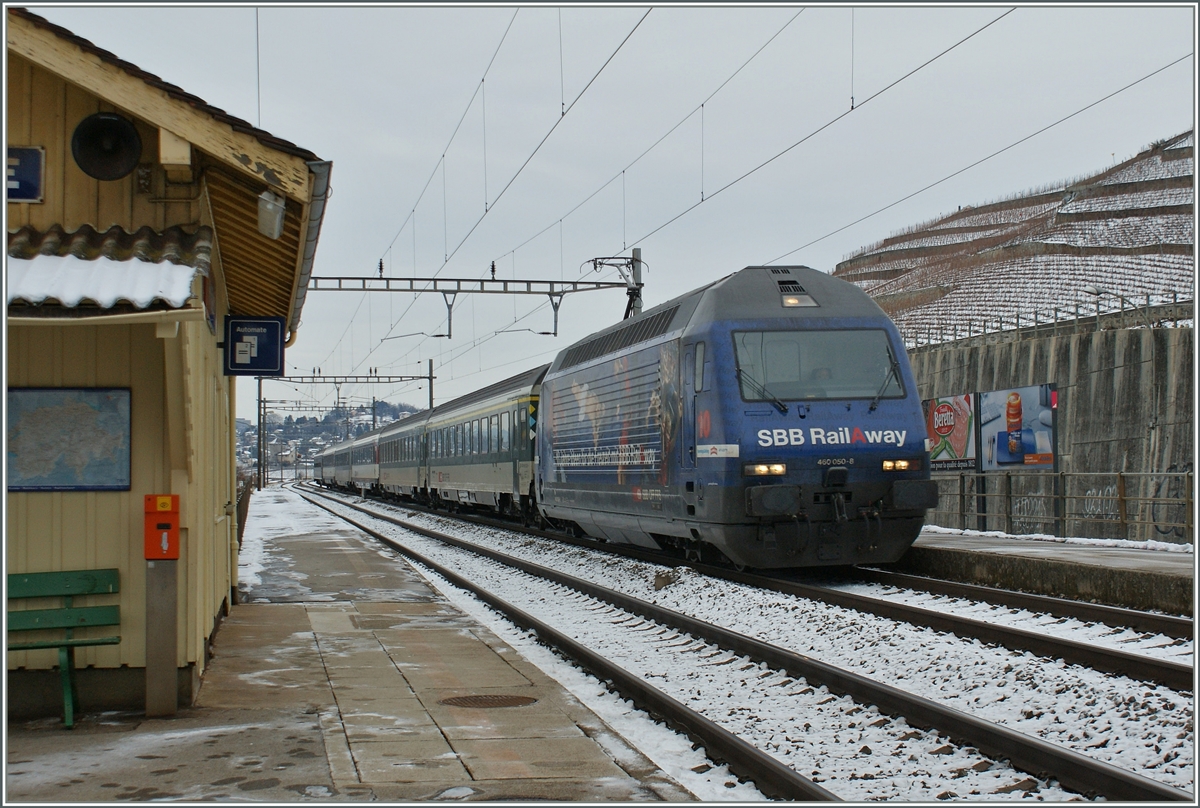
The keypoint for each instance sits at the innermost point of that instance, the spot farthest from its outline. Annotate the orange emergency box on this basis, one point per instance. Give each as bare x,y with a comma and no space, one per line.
162,527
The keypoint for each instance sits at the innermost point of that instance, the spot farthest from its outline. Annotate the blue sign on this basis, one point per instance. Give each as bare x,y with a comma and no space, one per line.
253,346
25,174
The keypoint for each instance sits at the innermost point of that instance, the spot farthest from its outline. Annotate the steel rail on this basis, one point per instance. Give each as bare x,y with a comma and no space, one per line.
1045,760
771,776
1135,666
1107,660
1169,625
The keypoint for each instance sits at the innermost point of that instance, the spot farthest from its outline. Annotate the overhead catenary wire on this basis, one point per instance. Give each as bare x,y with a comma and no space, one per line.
821,128
537,148
982,160
450,142
1015,143
483,339
412,215
765,163
582,92
620,174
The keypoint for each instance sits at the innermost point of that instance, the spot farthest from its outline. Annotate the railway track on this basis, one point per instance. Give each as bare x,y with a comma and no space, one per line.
1109,660
769,775
1167,625
1050,761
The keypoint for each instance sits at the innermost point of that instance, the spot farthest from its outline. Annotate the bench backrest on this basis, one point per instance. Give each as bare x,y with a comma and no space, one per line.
67,585
61,584
76,617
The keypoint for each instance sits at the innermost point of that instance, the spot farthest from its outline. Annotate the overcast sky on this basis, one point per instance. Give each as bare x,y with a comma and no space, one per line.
381,90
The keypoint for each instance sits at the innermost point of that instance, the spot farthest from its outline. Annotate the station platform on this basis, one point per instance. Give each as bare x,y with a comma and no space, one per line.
342,676
1130,577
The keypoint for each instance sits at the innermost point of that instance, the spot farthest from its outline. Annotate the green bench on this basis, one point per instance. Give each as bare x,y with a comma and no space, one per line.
67,618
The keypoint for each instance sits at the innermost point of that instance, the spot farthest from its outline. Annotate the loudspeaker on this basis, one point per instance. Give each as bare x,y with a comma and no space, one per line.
106,146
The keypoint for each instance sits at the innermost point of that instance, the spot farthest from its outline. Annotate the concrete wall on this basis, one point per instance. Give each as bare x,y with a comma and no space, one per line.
1125,404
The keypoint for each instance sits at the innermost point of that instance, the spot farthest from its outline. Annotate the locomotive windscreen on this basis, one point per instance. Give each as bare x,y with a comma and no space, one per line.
816,365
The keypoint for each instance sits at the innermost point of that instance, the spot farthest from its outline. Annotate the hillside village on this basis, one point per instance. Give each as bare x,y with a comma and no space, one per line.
293,441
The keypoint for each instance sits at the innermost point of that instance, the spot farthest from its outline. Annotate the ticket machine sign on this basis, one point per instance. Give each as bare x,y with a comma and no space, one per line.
254,346
162,527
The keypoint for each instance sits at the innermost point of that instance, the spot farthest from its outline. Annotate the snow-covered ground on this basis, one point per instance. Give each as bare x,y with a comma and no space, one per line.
1143,728
1159,546
277,511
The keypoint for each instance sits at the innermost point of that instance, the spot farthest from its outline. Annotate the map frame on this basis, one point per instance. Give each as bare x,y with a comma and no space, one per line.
90,396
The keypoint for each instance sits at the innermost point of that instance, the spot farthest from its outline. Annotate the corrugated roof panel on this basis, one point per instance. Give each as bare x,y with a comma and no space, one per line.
102,281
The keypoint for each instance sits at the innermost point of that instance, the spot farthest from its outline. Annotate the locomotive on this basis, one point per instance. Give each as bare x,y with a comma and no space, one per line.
769,419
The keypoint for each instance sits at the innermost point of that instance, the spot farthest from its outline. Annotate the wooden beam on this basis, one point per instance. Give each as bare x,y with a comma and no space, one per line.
284,172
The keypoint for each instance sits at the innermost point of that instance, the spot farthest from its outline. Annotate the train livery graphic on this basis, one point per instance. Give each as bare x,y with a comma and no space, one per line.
768,419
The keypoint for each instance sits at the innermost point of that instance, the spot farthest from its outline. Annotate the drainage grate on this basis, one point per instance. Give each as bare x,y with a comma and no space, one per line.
487,702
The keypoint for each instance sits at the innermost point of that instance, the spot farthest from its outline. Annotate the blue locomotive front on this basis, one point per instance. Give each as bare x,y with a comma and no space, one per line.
772,416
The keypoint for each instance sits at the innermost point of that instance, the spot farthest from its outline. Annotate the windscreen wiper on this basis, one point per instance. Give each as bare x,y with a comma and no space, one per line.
762,391
893,370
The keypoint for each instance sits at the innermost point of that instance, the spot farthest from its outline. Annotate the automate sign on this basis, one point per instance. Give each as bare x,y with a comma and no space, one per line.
253,346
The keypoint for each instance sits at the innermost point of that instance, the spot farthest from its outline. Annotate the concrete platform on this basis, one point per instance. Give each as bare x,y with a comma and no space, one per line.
1133,578
330,682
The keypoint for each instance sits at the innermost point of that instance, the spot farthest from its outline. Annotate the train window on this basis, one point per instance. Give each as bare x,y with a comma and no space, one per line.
477,437
505,429
699,366
495,432
522,426
816,364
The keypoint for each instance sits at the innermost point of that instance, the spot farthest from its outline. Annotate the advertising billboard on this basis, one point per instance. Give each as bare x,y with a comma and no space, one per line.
950,424
1016,428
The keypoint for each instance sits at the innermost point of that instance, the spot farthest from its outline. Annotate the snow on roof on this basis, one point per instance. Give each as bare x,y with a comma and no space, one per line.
103,281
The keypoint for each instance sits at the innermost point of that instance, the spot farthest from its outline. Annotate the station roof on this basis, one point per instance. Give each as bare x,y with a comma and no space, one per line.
142,270
237,161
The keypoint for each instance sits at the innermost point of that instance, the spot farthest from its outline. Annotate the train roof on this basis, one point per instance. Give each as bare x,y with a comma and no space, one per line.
737,296
755,292
528,378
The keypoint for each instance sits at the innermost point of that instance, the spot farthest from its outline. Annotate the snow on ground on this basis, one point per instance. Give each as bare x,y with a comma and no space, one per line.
1160,546
1145,728
1131,724
280,512
849,748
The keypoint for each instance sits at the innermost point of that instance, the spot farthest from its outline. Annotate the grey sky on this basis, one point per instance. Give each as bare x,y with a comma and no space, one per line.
380,90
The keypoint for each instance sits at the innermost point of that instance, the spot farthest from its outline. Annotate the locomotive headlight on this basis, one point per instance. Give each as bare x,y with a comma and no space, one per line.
764,469
795,301
901,465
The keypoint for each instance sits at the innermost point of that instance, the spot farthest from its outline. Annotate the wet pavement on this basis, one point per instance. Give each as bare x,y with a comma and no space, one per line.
342,676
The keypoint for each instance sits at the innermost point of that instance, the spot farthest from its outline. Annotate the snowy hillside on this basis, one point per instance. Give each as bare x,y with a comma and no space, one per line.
1128,230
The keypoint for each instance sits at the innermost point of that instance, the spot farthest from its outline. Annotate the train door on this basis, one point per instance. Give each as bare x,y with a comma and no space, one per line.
702,414
688,429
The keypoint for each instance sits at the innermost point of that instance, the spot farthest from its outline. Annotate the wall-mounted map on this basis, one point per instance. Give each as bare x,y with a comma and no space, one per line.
68,439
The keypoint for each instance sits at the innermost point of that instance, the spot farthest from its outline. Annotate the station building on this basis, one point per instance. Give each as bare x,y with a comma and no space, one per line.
138,217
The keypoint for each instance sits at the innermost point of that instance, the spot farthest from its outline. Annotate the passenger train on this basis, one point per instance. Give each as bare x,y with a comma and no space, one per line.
769,419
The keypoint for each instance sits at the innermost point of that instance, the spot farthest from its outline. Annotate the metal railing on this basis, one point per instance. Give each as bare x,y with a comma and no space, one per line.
1117,505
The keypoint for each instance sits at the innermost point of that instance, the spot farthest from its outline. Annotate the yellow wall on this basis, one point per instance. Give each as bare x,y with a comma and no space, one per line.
43,110
181,403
